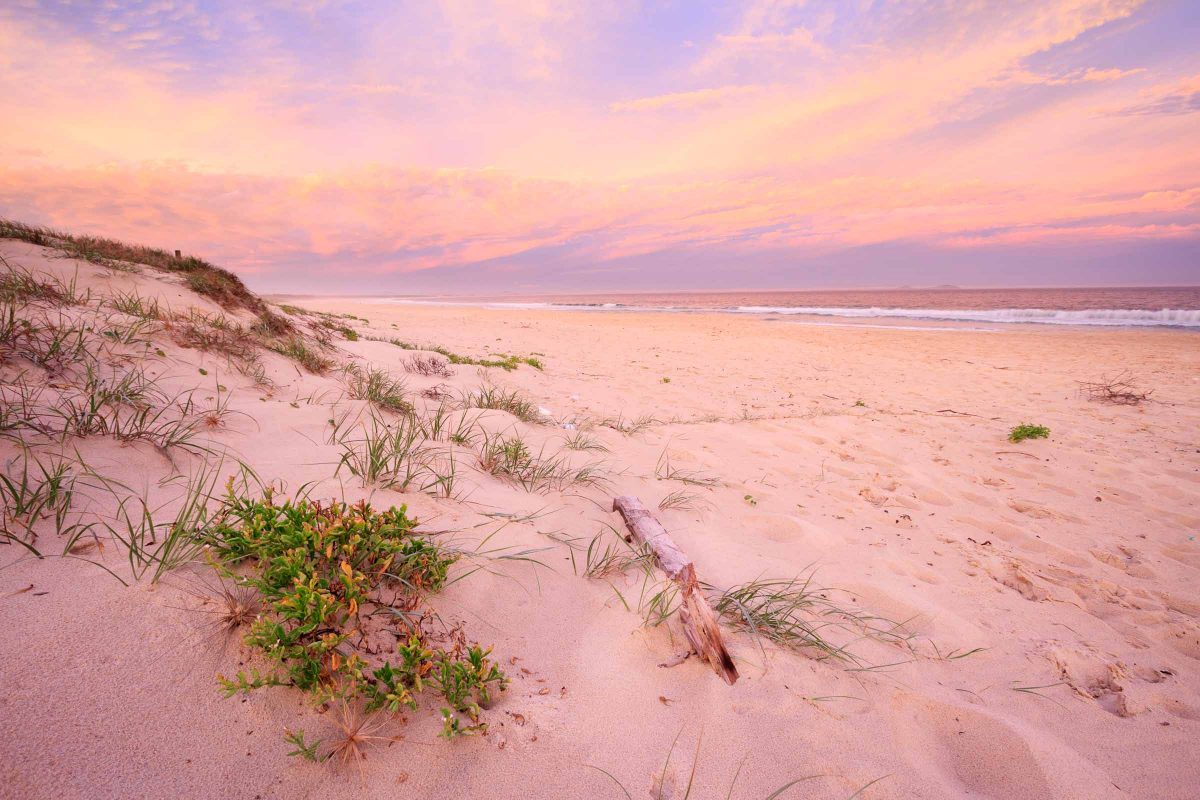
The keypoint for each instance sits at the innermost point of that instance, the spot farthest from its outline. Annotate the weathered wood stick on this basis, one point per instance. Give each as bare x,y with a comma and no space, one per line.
699,621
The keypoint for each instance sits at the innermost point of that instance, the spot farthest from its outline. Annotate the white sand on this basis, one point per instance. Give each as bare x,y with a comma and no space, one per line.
1072,560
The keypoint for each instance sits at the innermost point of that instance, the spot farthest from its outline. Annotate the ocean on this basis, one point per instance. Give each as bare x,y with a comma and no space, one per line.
1155,306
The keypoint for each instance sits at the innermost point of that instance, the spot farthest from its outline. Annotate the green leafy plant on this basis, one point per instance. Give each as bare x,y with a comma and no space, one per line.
1026,431
321,570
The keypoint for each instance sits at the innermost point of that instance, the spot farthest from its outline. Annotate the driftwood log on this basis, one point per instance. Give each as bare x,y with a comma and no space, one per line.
698,619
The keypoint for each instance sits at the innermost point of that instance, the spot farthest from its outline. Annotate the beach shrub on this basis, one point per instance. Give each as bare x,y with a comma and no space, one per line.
330,576
1026,431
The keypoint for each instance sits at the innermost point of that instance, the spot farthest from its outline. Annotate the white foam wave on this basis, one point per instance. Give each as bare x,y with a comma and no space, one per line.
1115,317
1170,317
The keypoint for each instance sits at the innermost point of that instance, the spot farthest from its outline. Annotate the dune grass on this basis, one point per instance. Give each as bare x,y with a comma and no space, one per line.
379,387
581,441
504,362
508,456
664,471
21,284
33,489
661,788
630,427
683,500
796,613
154,546
389,454
508,400
303,352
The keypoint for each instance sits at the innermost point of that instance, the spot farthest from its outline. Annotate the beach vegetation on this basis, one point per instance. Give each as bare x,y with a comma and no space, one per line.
510,457
304,353
489,396
449,424
629,427
378,387
33,489
683,500
661,787
322,570
501,361
389,454
22,284
665,471
429,365
581,441
1028,431
1121,389
798,614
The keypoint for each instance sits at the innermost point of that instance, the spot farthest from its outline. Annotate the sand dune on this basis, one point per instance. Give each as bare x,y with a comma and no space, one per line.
1040,597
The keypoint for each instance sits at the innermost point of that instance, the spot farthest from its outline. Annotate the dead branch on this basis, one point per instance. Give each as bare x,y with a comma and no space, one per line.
1119,390
699,622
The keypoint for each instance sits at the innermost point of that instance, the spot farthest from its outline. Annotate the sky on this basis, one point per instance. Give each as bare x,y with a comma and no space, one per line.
476,146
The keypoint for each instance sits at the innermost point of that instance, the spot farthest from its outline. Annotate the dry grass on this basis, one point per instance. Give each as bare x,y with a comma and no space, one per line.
227,606
358,731
432,366
1119,390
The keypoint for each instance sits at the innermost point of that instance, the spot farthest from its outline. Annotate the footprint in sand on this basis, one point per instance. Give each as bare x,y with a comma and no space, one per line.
1036,511
1184,637
968,753
873,496
1064,491
1118,688
1126,559
1184,554
1012,573
932,496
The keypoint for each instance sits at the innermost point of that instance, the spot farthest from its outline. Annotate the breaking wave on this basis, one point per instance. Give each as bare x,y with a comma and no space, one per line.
1168,317
1114,317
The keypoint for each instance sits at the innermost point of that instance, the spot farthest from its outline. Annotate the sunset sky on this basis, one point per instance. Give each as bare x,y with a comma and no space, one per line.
539,145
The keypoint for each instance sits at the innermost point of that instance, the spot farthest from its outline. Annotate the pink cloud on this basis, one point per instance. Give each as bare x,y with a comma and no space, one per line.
387,165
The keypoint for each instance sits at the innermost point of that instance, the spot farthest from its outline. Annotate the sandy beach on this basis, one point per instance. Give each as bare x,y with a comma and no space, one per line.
1039,598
